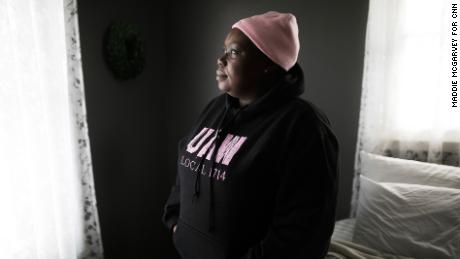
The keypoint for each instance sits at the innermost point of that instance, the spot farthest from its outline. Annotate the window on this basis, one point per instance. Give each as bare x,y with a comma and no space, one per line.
44,203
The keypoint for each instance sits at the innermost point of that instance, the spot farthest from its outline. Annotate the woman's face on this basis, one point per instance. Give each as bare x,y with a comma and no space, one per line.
240,68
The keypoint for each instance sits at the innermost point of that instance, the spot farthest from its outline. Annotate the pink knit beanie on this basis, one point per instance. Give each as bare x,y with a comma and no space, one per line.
275,34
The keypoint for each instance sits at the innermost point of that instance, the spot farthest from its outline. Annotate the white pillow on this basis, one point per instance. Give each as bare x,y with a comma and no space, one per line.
390,169
408,219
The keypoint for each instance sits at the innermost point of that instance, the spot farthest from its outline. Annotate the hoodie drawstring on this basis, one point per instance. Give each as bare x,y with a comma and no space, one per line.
217,143
211,180
196,193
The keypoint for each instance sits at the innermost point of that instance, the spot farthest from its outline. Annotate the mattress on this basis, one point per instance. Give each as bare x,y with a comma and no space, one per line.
343,229
342,247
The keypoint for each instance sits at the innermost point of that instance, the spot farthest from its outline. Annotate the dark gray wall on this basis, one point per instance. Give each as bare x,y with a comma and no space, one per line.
134,125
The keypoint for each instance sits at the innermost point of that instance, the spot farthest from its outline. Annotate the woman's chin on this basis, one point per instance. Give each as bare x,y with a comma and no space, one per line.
223,86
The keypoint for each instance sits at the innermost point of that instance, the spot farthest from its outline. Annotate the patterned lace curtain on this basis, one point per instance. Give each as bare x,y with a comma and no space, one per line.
406,103
46,180
92,248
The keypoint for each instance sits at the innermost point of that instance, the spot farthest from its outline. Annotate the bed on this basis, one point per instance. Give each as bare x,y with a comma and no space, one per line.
406,209
343,247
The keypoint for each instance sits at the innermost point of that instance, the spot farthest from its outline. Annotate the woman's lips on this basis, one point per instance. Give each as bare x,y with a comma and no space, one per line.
220,76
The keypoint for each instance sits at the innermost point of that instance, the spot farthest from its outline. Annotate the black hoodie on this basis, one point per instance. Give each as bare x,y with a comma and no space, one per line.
256,182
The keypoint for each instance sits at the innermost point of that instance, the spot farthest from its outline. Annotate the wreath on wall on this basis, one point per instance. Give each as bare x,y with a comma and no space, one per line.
124,50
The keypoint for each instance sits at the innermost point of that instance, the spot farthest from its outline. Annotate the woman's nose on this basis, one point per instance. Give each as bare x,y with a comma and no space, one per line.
221,60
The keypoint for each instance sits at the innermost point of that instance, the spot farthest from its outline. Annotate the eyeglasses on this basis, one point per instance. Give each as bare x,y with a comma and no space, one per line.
231,53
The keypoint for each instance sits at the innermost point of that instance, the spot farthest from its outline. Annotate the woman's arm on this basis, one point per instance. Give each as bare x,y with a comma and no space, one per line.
306,199
172,207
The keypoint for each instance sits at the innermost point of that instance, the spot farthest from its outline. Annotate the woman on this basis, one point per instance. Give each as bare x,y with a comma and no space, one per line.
257,175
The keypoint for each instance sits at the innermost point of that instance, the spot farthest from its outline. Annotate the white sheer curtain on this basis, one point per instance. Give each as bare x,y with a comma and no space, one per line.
406,104
44,206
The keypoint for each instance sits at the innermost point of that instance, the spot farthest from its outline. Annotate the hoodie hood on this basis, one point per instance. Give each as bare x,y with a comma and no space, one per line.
279,93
